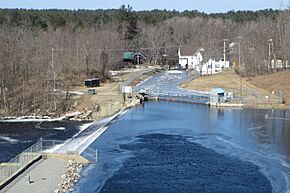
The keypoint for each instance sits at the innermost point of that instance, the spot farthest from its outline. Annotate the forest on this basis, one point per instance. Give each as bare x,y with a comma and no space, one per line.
43,52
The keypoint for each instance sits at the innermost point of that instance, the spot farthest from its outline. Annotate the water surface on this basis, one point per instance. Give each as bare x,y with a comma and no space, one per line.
250,146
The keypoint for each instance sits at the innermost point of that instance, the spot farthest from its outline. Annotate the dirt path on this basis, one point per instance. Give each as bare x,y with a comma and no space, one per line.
108,99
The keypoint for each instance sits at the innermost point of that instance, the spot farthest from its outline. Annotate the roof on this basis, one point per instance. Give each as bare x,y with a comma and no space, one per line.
188,50
218,90
128,55
92,79
139,55
132,55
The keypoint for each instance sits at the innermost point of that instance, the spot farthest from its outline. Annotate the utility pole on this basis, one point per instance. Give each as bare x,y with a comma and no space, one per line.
54,77
269,54
239,52
225,40
241,80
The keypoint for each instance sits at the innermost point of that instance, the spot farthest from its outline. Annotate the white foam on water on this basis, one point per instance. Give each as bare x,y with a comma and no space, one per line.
174,72
59,128
8,139
80,143
20,120
83,128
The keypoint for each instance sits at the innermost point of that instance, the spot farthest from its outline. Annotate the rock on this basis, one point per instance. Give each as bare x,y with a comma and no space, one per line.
70,178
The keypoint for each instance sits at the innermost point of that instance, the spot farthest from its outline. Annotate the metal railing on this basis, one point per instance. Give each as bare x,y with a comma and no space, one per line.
18,163
91,154
181,97
21,161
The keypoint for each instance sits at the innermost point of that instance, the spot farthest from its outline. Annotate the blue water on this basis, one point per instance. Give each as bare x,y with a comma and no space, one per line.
15,137
201,149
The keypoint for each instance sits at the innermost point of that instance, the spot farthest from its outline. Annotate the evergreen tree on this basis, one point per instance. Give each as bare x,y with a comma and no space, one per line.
127,21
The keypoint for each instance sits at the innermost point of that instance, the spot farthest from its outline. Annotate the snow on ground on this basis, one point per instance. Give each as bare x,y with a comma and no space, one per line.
25,119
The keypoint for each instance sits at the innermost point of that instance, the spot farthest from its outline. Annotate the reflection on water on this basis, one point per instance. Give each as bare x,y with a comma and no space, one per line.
259,136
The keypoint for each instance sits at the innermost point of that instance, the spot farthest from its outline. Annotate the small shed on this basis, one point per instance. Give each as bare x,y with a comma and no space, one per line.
217,95
93,82
134,57
127,56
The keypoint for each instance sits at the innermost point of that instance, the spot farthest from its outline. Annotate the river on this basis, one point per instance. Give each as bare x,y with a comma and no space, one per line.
178,147
246,150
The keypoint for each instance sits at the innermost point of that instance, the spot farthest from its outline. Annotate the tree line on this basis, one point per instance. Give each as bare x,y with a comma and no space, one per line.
44,53
86,18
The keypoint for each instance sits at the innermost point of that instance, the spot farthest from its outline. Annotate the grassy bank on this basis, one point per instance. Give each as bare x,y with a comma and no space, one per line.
259,88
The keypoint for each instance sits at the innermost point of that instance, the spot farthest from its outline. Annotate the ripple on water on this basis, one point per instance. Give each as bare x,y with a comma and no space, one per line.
170,163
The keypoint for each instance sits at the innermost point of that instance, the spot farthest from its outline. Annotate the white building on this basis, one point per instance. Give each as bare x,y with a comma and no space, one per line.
212,66
279,64
189,58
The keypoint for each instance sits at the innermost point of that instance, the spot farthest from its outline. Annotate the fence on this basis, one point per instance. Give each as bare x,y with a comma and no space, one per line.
263,100
21,161
7,170
181,97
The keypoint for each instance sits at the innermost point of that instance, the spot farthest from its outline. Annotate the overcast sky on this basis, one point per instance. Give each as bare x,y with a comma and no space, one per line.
208,6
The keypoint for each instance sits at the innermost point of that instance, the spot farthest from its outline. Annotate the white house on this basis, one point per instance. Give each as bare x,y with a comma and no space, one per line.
212,66
189,58
279,64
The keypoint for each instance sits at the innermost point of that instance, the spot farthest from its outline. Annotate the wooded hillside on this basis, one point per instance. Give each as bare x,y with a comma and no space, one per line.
43,52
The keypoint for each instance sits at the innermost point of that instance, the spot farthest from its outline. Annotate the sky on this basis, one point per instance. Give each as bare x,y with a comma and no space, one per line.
208,6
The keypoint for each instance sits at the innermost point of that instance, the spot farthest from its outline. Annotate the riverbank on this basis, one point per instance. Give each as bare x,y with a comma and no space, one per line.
61,156
245,87
106,101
